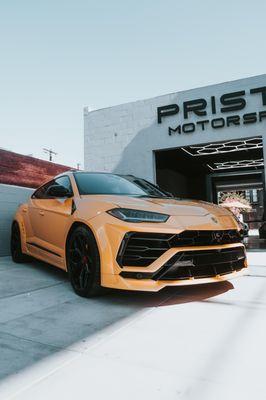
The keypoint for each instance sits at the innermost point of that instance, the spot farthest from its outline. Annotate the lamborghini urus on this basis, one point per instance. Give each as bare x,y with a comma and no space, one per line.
123,232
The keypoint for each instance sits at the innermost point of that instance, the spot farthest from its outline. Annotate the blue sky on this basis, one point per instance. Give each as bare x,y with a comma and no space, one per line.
57,56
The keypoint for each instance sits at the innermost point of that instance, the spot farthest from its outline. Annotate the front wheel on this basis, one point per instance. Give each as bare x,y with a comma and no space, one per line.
15,245
83,262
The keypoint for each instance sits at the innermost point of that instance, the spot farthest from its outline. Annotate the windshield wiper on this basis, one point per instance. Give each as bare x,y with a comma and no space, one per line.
153,196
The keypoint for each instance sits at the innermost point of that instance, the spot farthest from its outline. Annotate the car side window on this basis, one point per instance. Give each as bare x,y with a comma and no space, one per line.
64,181
41,193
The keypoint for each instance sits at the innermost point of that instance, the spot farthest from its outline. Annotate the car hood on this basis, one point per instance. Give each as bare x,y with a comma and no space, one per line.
170,206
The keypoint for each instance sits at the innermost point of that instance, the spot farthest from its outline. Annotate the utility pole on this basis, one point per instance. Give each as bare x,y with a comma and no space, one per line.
50,152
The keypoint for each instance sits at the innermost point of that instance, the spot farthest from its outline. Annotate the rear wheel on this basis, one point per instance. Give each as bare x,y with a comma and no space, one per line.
83,262
15,245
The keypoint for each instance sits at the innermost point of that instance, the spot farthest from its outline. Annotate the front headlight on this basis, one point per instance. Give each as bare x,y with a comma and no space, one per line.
129,215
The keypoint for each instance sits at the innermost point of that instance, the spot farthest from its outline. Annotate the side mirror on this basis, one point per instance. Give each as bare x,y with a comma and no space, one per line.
58,191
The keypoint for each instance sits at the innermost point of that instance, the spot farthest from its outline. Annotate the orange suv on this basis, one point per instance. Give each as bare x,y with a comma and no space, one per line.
123,232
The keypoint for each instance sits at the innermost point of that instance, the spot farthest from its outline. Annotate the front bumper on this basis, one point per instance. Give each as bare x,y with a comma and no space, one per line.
151,277
154,277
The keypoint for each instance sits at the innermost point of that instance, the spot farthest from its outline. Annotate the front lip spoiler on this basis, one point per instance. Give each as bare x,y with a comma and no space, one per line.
151,275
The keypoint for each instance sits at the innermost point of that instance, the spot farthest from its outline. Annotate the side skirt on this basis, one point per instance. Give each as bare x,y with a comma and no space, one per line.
46,255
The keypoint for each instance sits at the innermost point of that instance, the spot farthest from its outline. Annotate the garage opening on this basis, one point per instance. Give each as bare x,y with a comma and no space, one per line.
213,171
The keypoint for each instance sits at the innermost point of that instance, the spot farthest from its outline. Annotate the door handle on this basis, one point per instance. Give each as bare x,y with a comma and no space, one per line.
41,213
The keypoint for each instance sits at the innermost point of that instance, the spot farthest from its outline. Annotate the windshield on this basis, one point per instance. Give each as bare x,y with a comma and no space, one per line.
97,183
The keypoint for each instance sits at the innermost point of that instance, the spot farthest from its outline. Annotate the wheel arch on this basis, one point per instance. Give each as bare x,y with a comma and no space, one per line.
71,229
14,221
17,219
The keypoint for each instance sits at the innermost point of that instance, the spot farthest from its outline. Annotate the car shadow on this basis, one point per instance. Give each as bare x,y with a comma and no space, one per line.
169,295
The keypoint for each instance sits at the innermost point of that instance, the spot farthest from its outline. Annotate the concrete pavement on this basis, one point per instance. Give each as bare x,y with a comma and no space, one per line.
201,342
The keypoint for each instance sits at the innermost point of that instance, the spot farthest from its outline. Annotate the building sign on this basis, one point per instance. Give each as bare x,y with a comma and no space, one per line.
228,102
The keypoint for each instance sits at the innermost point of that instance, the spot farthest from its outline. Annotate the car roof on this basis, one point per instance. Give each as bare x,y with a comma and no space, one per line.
75,171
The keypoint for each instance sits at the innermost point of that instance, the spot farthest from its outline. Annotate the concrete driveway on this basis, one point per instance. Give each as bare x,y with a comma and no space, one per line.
203,343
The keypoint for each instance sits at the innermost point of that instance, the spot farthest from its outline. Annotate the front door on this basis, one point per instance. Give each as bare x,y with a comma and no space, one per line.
49,218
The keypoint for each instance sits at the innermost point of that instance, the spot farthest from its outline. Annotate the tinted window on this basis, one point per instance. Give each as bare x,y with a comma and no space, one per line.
64,181
90,183
41,193
148,186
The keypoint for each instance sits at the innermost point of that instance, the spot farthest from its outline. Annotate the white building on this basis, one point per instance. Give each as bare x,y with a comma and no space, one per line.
196,143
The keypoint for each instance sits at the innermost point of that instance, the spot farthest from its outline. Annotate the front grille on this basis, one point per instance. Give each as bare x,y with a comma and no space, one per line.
196,264
141,249
202,264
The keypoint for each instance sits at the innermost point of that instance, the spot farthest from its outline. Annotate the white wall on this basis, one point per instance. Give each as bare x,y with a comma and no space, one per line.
10,198
121,139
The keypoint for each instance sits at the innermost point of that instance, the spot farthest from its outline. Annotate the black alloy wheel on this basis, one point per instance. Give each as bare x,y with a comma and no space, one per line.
83,262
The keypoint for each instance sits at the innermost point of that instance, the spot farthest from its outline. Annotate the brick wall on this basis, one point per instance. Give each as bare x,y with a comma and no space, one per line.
20,170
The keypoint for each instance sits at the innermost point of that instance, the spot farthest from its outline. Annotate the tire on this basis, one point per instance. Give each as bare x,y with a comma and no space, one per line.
15,246
83,263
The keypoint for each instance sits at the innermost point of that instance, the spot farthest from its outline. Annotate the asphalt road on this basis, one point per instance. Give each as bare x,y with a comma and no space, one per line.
201,342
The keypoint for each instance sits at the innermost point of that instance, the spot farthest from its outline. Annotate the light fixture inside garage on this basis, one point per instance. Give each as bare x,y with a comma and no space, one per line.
236,164
224,147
